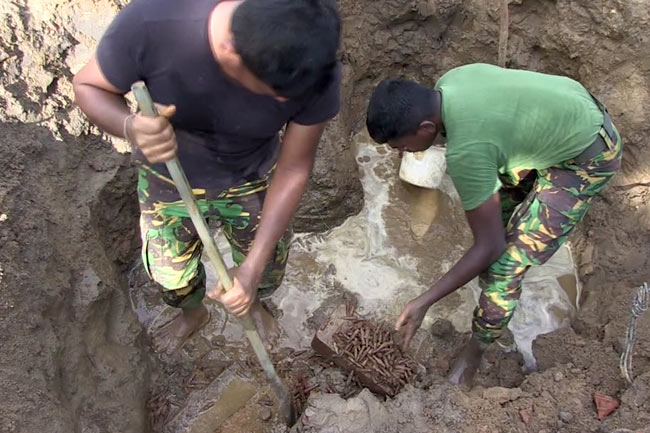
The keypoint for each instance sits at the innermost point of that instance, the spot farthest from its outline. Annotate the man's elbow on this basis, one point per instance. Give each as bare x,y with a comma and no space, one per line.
81,86
298,171
491,249
300,175
497,247
77,88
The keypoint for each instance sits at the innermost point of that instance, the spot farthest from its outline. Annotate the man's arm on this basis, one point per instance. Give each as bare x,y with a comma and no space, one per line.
287,186
489,243
105,106
103,103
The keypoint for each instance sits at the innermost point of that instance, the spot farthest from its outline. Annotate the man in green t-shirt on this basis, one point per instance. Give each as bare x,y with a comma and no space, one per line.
526,152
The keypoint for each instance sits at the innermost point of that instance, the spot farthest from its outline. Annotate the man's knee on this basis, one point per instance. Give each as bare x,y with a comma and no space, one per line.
275,269
271,280
180,291
488,326
494,311
188,297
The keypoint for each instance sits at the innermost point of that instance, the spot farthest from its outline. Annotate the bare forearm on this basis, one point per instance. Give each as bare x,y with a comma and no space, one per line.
105,109
475,261
281,201
289,181
489,244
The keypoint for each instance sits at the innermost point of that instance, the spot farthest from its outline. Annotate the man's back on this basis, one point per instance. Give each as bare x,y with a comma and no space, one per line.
524,112
503,120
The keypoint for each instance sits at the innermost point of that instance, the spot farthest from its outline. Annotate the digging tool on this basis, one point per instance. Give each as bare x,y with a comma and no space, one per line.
147,107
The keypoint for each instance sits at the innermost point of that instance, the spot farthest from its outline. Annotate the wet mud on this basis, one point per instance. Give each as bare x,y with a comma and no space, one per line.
401,241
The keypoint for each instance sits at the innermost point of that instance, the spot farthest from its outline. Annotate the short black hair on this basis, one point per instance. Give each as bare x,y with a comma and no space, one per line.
397,108
290,45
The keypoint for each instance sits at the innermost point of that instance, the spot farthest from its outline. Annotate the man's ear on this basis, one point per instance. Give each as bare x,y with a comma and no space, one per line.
229,54
427,128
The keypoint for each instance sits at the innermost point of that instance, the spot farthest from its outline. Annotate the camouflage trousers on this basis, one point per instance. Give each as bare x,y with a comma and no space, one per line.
551,203
171,248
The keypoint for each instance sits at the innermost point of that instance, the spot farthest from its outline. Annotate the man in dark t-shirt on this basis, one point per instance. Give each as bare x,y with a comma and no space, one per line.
227,76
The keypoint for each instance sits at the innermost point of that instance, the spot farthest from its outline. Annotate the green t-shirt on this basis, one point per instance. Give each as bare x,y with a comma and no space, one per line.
502,120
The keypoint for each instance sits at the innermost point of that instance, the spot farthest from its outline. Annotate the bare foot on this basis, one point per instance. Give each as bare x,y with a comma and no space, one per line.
267,326
467,363
170,337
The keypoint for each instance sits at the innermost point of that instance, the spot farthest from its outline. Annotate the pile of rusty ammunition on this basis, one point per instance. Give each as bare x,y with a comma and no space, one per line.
300,393
372,351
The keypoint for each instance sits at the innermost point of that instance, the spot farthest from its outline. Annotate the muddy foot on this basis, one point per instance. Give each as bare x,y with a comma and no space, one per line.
465,367
170,337
266,325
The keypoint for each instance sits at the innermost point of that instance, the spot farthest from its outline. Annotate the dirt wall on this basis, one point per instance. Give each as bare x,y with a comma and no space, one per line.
73,356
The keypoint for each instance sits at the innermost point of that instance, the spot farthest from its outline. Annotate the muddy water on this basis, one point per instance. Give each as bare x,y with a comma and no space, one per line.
398,245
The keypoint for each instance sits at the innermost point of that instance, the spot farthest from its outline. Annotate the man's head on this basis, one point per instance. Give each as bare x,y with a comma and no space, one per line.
402,114
288,45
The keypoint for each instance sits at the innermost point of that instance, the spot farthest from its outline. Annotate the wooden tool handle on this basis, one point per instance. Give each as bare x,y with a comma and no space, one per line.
148,108
286,408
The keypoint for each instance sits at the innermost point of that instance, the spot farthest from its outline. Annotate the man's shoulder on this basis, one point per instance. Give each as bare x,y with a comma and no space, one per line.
169,10
469,69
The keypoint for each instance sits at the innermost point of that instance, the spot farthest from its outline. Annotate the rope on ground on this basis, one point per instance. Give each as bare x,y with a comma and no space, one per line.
639,305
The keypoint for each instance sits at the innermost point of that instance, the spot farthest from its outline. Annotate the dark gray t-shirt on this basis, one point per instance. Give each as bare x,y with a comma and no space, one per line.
227,135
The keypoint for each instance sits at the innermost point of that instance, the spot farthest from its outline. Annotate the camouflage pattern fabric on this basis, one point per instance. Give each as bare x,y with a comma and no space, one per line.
171,248
554,203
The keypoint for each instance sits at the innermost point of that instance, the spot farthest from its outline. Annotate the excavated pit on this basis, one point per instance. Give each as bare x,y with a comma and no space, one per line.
76,307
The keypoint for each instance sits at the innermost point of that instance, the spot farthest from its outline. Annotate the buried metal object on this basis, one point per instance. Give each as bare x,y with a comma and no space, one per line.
367,349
